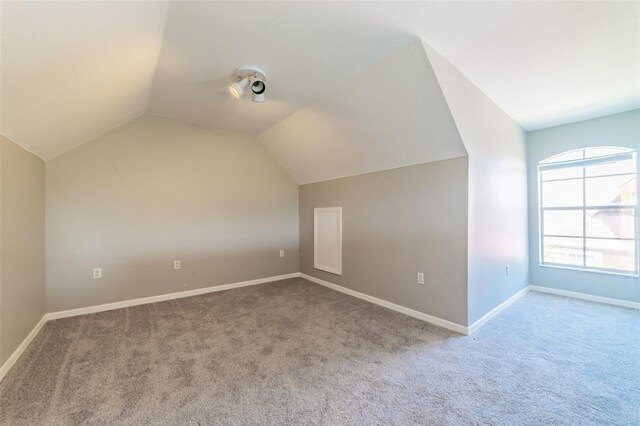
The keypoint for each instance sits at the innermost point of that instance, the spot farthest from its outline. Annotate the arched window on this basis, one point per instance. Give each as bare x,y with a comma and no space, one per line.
588,202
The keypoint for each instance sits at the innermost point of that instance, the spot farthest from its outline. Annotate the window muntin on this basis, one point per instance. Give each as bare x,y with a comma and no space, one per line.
589,210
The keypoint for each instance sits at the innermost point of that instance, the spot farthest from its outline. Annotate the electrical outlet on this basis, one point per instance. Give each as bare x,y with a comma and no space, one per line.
176,264
97,273
506,270
420,278
281,253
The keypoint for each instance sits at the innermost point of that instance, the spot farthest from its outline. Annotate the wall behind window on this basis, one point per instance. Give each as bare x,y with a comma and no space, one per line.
614,130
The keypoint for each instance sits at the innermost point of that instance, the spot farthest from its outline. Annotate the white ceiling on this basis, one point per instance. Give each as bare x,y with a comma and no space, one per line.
73,70
373,122
305,49
70,71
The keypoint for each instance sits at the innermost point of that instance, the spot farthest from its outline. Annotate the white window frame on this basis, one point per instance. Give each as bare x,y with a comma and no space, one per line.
549,164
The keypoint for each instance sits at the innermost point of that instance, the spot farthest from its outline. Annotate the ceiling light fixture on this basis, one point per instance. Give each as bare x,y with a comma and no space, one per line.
246,76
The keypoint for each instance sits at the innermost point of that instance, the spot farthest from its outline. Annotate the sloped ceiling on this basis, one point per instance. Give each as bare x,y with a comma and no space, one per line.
73,70
70,71
305,49
392,115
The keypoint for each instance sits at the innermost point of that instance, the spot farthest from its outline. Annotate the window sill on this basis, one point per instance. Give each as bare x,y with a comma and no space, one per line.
596,271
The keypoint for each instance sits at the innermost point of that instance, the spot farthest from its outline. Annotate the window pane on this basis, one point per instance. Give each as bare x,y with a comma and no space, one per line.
616,167
563,222
564,193
564,251
611,223
566,173
611,254
612,190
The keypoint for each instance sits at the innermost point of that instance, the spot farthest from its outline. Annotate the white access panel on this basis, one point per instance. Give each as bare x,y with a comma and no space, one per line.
327,239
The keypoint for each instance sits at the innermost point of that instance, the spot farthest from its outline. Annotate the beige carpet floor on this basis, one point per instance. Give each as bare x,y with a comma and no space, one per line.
293,352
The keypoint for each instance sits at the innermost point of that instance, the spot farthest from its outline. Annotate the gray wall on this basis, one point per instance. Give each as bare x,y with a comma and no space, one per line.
397,223
156,190
22,245
497,191
614,130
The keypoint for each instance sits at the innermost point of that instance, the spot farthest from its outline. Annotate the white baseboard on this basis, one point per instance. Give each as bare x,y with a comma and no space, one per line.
23,346
398,308
4,369
584,296
495,311
124,304
163,297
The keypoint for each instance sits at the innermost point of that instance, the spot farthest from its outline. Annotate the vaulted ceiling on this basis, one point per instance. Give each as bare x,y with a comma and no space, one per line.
375,121
71,71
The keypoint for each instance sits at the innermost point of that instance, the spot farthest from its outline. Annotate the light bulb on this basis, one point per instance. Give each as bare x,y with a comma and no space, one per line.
237,89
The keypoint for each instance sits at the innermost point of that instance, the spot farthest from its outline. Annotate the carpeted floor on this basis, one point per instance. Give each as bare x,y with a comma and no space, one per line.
293,352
